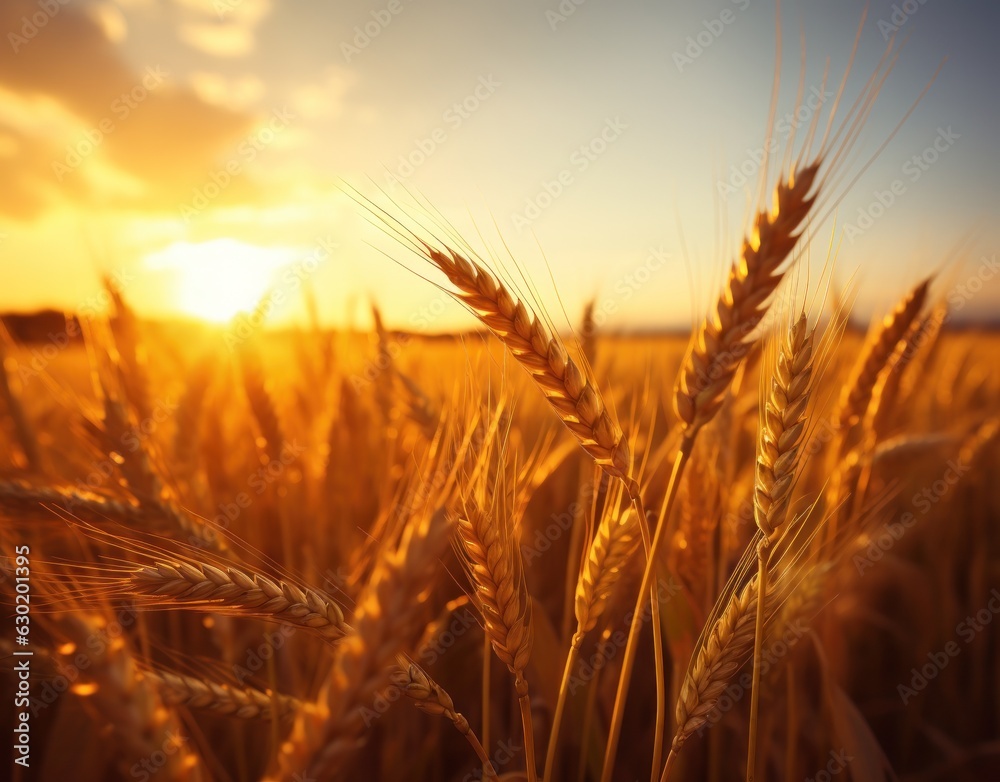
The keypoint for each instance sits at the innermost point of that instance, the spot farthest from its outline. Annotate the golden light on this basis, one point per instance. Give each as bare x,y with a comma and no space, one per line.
218,279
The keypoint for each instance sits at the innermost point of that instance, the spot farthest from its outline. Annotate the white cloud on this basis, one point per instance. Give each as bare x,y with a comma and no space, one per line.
110,19
237,92
223,28
325,99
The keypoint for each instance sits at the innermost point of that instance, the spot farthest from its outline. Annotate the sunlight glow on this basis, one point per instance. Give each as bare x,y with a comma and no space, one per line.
216,280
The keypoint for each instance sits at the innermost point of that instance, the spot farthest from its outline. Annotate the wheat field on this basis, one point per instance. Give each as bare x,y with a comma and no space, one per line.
242,560
534,551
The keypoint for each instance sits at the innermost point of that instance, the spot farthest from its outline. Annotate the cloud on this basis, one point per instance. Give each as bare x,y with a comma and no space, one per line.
219,40
238,92
221,28
324,99
110,19
66,90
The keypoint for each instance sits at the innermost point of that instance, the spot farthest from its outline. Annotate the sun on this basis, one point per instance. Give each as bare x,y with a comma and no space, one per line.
216,280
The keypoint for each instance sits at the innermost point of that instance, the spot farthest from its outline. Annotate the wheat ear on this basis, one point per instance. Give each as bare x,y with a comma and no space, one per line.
722,342
495,569
724,338
205,587
131,356
493,564
717,660
881,346
781,431
243,702
25,500
568,389
126,703
430,697
615,542
778,446
261,402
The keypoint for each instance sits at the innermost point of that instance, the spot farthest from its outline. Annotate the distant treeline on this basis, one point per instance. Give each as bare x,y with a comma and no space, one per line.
49,325
43,326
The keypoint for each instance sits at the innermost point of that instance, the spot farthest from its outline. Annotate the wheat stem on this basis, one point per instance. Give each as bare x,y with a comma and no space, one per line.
631,645
571,658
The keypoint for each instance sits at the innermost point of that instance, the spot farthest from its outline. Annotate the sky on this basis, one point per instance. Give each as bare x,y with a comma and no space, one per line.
204,153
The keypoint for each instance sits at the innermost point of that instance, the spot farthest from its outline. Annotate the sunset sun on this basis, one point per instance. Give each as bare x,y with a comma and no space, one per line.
216,280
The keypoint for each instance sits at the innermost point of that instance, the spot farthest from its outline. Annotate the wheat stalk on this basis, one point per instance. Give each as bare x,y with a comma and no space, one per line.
430,697
384,625
615,542
780,437
715,353
495,569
